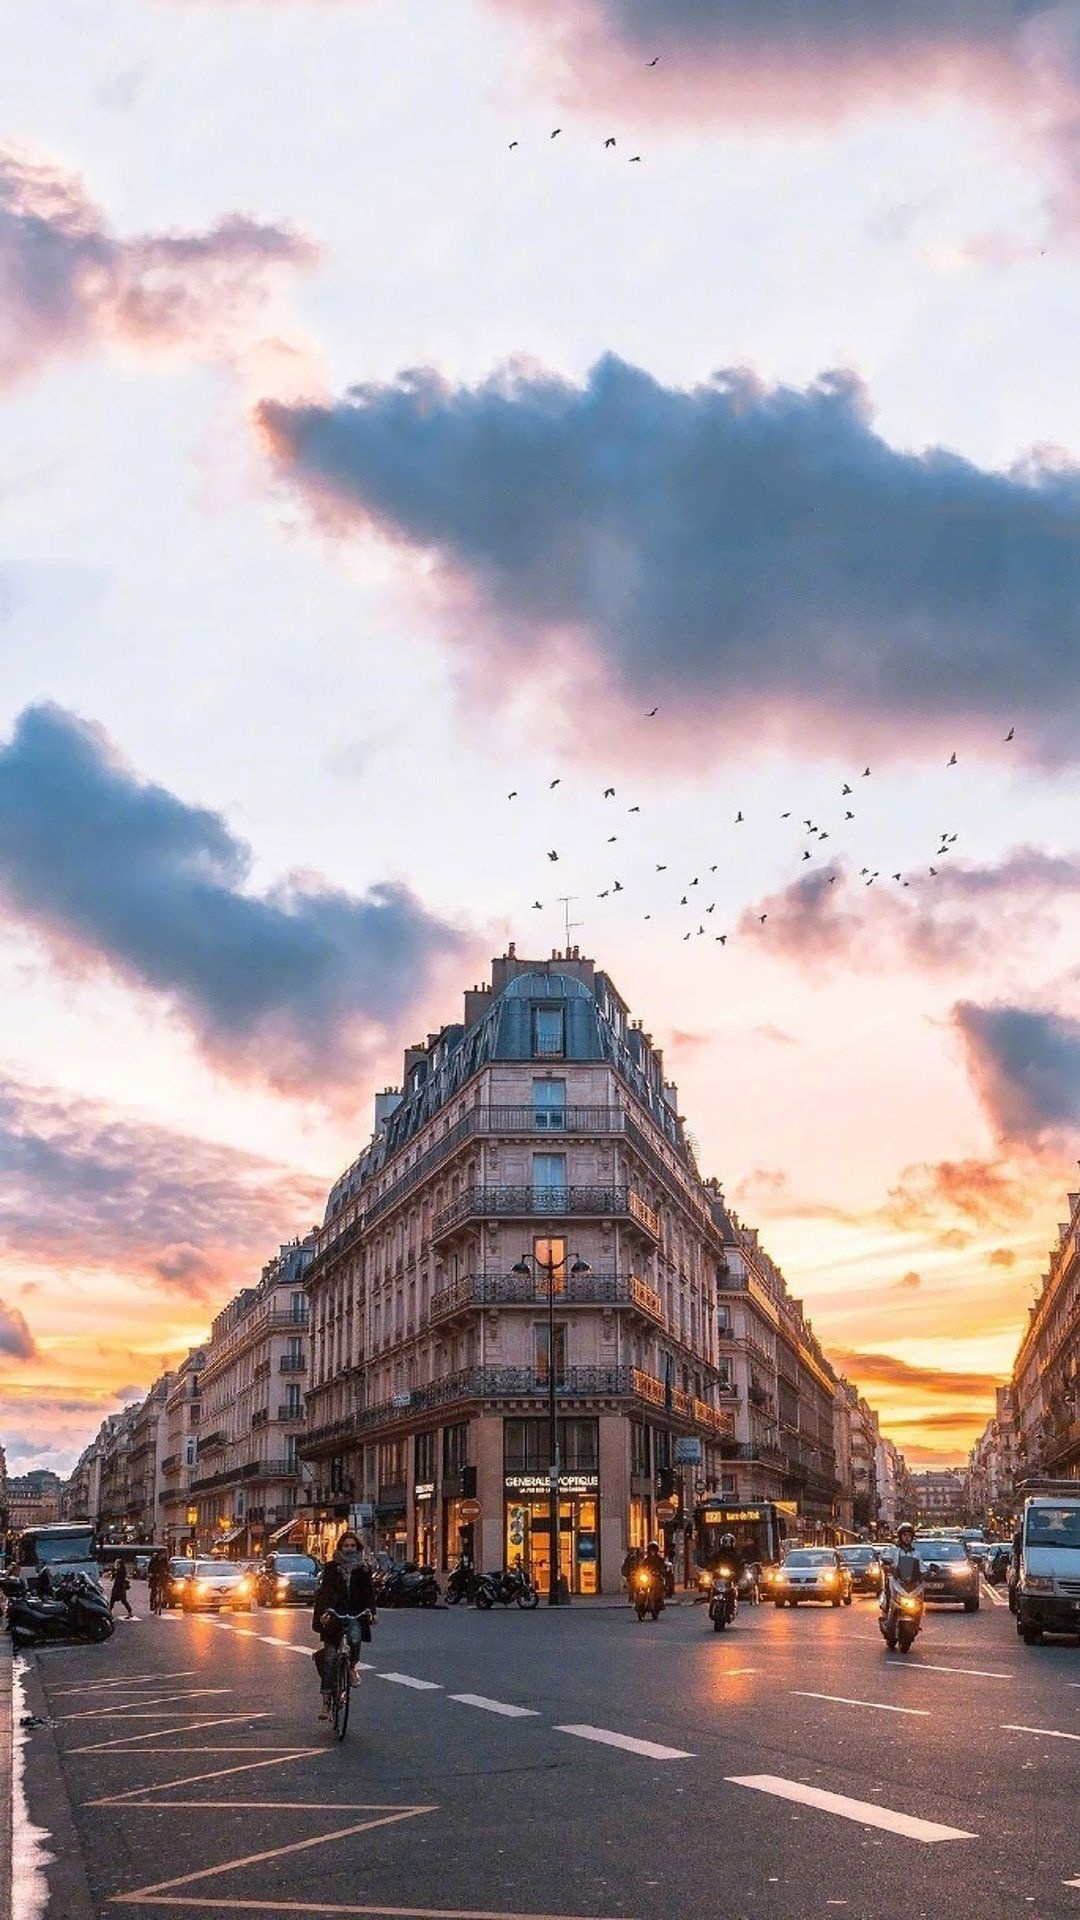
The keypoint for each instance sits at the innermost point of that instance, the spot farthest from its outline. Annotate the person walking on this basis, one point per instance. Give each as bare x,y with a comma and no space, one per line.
120,1587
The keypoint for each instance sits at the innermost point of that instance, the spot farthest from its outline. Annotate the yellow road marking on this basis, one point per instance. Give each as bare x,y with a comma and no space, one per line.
142,1894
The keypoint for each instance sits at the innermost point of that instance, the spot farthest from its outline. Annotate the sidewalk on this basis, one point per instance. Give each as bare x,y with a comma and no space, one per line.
6,1774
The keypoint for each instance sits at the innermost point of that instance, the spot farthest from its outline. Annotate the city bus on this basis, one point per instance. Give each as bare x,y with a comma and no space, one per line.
759,1528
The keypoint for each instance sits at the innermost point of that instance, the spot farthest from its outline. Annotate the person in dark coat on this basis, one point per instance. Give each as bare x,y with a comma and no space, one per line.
346,1585
120,1586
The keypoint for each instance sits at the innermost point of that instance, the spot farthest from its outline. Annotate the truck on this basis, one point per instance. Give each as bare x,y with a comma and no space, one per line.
1046,1560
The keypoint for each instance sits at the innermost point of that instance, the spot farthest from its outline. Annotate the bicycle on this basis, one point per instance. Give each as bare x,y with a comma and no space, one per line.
341,1680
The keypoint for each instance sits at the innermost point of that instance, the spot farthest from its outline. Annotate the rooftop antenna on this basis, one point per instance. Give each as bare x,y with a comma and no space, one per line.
567,900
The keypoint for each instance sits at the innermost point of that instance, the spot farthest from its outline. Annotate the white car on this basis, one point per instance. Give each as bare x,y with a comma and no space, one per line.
811,1573
213,1584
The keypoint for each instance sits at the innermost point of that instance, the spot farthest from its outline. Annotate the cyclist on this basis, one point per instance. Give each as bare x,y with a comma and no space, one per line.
157,1579
346,1585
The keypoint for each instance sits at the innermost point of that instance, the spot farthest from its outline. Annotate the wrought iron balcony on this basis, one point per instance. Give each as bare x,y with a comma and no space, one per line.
293,1363
529,1290
548,1203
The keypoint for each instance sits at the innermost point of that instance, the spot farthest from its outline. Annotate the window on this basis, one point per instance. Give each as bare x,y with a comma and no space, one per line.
549,1182
455,1448
294,1402
548,1033
549,1105
391,1463
298,1307
191,1447
292,1442
639,1448
424,1458
541,1349
549,1260
525,1446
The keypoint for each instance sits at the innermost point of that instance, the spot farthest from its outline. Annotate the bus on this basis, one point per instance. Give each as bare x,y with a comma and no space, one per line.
759,1527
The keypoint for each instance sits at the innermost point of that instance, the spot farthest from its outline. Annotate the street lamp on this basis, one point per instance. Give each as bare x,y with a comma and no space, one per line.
524,1268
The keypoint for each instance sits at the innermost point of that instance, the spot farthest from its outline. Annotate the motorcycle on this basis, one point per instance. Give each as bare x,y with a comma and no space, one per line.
459,1585
723,1599
408,1586
79,1611
901,1617
513,1583
648,1593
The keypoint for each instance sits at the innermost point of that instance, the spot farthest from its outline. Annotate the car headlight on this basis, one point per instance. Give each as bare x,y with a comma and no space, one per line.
724,1572
202,1586
831,1577
704,1579
1038,1583
282,1584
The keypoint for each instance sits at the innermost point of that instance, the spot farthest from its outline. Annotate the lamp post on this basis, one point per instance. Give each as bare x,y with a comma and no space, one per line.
524,1267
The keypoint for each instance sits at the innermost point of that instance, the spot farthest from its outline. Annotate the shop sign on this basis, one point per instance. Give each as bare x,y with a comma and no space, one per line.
541,1483
688,1452
362,1515
424,1490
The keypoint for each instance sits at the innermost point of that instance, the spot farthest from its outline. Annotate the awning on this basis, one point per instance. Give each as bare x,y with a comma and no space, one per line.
290,1526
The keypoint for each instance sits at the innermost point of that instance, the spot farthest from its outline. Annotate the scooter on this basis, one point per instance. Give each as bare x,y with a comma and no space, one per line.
80,1611
513,1583
460,1583
409,1587
648,1594
723,1599
901,1617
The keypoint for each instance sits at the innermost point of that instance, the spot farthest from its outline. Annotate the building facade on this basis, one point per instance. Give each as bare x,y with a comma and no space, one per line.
940,1498
177,1517
1046,1373
529,1201
33,1499
246,1478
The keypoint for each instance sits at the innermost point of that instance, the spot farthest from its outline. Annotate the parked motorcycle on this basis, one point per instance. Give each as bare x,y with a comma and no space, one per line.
723,1599
901,1617
512,1584
459,1585
648,1593
407,1586
79,1611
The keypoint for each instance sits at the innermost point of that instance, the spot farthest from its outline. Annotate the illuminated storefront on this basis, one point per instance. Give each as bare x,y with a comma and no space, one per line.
425,1543
528,1528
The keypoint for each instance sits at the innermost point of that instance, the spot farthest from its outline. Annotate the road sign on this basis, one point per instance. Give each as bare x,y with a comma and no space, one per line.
666,1509
688,1452
468,1511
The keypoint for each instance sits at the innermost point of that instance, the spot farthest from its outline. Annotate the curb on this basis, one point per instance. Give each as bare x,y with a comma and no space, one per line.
49,1799
7,1758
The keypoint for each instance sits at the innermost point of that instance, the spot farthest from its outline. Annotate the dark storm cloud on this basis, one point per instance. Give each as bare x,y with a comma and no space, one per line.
744,554
1025,1067
82,1185
16,1339
293,986
68,282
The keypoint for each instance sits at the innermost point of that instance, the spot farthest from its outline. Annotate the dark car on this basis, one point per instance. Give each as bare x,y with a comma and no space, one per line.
179,1571
864,1565
287,1580
951,1576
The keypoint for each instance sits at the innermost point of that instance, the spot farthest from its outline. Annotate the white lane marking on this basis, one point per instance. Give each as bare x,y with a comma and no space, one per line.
407,1680
1050,1733
134,1707
1071,1883
494,1706
867,1812
648,1748
729,1673
132,1739
995,1599
290,1646
927,1666
127,1685
876,1706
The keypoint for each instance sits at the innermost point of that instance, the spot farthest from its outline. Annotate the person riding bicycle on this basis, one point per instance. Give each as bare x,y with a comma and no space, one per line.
346,1585
157,1579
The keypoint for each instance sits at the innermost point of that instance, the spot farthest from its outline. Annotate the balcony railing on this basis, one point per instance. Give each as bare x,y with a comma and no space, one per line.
529,1290
208,1441
260,1417
290,1413
293,1363
552,1203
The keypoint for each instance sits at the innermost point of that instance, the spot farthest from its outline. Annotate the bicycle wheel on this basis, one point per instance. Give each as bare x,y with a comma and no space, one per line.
341,1691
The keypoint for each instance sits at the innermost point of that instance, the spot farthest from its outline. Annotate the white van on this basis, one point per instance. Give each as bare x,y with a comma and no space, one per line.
1047,1582
64,1547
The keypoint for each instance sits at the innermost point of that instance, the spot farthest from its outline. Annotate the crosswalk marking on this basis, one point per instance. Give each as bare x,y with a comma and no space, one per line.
876,1706
408,1680
867,1812
1049,1733
648,1748
494,1706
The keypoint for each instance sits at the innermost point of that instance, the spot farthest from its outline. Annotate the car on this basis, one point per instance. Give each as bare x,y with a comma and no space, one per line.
811,1573
864,1565
286,1580
178,1572
214,1584
950,1575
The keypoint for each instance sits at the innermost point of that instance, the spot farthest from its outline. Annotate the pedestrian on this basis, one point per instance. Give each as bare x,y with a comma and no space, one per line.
119,1591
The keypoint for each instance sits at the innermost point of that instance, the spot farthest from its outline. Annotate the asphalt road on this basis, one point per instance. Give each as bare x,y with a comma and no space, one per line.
570,1763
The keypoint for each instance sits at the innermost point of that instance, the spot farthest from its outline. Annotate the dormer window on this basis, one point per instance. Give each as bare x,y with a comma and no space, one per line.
548,1038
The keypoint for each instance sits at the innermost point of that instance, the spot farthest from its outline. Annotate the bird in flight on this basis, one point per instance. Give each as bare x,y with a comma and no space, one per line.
847,789
513,143
555,782
618,887
847,815
1009,735
635,809
952,761
711,909
652,63
609,793
806,856
785,816
933,872
553,855
612,837
604,895
738,817
633,157
651,715
865,773
556,133
695,881
538,906
684,902
661,869
686,936
722,937
762,917
823,836
512,796
610,141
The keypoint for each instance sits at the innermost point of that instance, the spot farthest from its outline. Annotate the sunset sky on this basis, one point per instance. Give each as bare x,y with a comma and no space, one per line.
360,467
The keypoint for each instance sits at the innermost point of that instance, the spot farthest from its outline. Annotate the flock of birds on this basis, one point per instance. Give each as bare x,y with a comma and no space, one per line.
610,140
811,830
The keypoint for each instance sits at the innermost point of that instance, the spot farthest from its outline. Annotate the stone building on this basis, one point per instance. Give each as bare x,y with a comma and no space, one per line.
529,1201
246,1478
1046,1372
180,1430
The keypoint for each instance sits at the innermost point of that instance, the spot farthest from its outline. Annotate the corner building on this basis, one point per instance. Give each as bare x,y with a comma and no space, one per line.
537,1136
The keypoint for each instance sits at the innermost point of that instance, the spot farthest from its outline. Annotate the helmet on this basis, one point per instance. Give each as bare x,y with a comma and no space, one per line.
653,1547
905,1527
727,1543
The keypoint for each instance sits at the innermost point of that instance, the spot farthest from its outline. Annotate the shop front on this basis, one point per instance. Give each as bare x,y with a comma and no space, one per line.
425,1542
391,1532
527,1528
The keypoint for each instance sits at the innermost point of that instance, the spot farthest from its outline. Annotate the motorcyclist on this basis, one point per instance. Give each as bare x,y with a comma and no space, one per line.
905,1572
730,1556
656,1566
346,1586
634,1559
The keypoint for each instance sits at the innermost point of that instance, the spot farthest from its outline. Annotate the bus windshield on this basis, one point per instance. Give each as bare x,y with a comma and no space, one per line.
757,1526
46,1547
